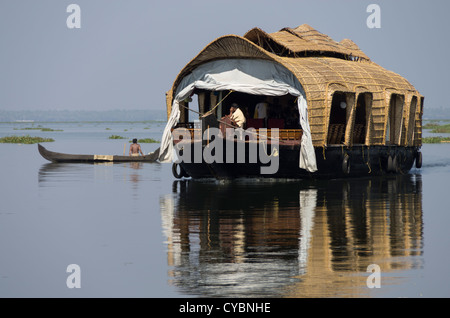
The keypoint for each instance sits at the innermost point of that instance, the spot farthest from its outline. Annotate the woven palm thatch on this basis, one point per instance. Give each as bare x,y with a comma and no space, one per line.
304,40
323,66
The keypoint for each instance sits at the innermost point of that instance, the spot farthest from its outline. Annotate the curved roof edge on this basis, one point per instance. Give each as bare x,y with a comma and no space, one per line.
224,47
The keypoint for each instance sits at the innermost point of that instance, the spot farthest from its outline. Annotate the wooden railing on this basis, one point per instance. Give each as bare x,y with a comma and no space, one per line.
283,134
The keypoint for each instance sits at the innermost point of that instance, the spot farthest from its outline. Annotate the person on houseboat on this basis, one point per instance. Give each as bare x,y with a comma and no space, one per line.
237,116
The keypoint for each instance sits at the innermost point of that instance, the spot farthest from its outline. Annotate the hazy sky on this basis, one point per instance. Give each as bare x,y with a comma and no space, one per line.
127,53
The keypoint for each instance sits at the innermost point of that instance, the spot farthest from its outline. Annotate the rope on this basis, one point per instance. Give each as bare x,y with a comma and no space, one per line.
368,157
212,109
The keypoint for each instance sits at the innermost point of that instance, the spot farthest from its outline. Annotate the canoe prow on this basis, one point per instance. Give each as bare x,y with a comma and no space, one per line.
45,153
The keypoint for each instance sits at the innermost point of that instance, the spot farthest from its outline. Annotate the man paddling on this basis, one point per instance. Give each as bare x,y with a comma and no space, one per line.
135,148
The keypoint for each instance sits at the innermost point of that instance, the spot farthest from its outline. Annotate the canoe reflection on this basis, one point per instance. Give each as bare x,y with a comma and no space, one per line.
73,172
291,239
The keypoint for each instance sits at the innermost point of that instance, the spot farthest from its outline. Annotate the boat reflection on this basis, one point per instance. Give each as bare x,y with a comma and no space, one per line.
290,239
55,173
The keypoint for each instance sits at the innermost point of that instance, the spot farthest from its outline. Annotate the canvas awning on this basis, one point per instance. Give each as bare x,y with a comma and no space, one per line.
251,76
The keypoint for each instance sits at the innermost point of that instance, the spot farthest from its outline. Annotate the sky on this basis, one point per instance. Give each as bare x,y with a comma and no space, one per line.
127,53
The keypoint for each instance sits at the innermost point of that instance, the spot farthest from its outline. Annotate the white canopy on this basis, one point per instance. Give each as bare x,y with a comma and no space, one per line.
257,77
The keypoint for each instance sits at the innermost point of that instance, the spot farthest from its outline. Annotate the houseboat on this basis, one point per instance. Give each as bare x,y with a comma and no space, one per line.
313,108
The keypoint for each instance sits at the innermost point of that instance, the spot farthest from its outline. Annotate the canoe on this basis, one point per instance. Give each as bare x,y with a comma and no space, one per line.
63,157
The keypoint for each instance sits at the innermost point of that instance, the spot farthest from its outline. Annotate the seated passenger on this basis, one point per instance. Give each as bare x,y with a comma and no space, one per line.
237,116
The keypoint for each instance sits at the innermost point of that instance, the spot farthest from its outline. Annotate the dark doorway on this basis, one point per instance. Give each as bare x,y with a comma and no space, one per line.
338,119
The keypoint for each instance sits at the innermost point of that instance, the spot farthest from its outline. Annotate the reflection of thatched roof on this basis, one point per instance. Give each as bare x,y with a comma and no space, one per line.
320,64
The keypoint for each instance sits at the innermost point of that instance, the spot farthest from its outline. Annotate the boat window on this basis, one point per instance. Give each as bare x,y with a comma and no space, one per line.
338,119
412,120
422,100
394,120
417,136
363,109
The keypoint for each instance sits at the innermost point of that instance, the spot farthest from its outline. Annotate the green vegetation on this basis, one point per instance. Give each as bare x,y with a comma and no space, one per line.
116,137
441,129
437,128
50,129
147,141
431,125
143,141
38,128
435,140
24,140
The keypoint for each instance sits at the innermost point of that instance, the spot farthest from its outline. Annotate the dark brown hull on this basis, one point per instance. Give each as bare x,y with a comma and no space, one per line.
63,157
332,162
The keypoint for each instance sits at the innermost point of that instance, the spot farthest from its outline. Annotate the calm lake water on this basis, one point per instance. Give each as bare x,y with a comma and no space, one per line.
135,231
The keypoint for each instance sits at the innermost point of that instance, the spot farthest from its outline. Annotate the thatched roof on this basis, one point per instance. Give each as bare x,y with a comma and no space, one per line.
320,64
303,41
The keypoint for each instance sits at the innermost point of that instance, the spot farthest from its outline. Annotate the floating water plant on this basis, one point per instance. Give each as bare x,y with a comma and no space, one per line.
38,128
24,140
50,129
147,141
116,137
442,129
435,140
436,127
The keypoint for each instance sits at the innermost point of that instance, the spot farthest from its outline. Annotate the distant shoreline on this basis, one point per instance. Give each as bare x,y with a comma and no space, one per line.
66,116
32,116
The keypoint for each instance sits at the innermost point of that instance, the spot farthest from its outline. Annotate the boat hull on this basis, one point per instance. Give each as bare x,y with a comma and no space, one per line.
75,158
332,162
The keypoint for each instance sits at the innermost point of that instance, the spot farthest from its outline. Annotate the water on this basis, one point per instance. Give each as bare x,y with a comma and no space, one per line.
135,231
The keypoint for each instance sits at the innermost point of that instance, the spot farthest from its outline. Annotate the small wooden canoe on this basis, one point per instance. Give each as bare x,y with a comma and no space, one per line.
63,157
